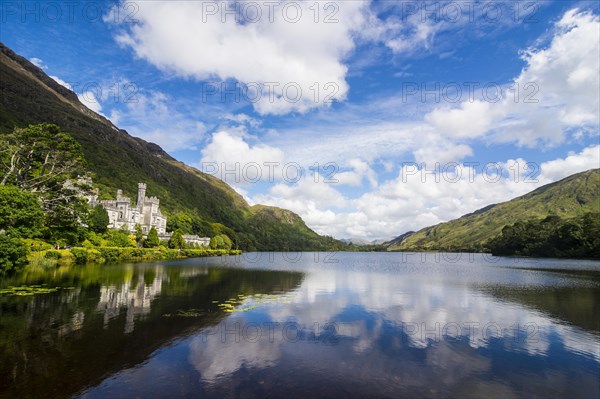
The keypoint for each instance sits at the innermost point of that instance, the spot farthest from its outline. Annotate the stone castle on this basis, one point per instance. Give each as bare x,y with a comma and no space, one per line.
146,212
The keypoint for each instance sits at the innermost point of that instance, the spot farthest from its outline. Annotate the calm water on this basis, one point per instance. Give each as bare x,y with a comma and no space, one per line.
307,325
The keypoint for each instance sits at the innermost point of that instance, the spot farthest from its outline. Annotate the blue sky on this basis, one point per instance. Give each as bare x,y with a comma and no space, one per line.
428,99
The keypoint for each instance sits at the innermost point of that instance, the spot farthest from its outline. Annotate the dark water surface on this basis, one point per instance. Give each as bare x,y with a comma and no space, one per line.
310,325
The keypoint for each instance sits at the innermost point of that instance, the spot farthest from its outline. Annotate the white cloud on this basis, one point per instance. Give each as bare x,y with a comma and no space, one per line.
62,82
38,62
471,119
115,117
360,171
420,195
185,38
555,93
557,169
89,99
230,157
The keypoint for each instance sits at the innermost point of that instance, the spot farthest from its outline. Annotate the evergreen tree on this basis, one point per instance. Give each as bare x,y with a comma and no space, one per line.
176,241
152,240
139,235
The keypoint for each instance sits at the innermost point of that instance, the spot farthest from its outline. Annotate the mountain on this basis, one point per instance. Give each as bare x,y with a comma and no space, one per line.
570,197
194,201
356,241
361,242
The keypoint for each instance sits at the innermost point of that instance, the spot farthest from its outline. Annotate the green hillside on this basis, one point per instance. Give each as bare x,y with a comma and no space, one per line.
568,198
194,201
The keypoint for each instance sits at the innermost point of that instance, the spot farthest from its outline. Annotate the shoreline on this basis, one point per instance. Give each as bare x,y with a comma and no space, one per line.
107,255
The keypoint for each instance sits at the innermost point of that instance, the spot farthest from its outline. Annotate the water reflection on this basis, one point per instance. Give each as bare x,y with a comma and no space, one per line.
367,325
425,336
105,319
135,297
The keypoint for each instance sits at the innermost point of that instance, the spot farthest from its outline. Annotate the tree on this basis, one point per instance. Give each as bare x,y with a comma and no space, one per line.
220,241
98,219
176,241
180,221
43,160
20,213
226,242
216,242
13,255
139,235
39,157
152,240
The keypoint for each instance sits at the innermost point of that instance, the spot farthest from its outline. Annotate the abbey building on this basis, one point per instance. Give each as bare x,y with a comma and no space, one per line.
145,212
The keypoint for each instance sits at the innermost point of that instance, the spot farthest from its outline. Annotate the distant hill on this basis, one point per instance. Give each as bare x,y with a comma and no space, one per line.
198,202
361,242
570,197
356,241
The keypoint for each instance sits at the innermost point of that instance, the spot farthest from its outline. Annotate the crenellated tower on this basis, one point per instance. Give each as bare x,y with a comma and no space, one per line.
141,195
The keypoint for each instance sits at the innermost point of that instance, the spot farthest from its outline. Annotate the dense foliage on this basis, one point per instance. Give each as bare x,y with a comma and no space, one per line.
152,240
553,236
12,254
43,162
20,213
98,219
176,241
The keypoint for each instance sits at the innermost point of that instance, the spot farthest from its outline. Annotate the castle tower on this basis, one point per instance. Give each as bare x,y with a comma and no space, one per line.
141,195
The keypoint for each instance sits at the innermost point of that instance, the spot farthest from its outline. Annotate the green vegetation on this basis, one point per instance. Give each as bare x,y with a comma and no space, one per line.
81,255
152,239
553,236
244,303
98,219
25,290
20,212
176,241
194,202
12,255
220,241
569,198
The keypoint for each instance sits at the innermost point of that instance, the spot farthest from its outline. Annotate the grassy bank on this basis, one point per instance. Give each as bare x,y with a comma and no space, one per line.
81,255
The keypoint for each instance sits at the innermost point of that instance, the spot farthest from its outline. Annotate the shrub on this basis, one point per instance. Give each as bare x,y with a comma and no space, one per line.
94,256
13,255
52,254
110,255
80,255
36,245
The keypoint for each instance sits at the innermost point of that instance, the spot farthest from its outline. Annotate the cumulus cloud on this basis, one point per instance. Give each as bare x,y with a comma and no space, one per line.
358,172
471,119
230,157
260,45
555,93
560,168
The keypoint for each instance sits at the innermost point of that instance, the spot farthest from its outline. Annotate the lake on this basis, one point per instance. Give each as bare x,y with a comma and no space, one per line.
316,325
